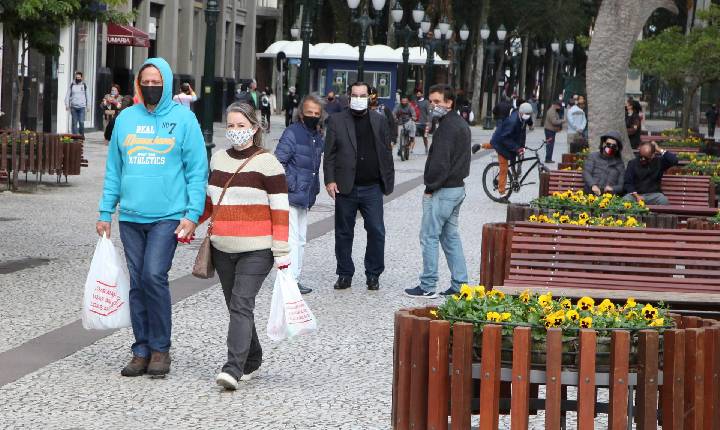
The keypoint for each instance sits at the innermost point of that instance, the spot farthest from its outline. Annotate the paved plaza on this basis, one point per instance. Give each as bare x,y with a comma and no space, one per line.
338,378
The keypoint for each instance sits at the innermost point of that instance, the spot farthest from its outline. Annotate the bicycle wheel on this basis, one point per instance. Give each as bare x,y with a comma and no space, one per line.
401,146
491,176
406,149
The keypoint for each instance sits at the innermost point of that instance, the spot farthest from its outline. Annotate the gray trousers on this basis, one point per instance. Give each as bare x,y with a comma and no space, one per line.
650,198
241,276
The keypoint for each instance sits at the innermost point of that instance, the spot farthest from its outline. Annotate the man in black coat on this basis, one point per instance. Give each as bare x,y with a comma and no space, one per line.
447,166
359,170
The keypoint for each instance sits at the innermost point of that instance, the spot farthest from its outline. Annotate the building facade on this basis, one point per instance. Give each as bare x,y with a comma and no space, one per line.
112,54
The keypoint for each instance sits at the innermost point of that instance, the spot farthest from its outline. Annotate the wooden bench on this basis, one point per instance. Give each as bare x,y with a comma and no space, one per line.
688,195
668,262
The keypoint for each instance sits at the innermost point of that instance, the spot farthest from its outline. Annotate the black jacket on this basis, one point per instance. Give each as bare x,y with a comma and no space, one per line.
448,163
646,179
340,156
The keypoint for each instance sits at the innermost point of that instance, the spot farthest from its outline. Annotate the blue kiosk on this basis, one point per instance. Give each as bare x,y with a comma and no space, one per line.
333,66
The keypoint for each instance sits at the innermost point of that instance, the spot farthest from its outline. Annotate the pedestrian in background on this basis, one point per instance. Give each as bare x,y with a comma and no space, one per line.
159,189
76,101
553,125
126,102
632,123
422,125
186,96
381,108
291,104
265,109
247,199
712,116
300,152
358,169
332,105
447,166
576,122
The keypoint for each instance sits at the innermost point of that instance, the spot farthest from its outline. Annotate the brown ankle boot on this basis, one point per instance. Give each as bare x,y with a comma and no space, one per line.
159,364
136,367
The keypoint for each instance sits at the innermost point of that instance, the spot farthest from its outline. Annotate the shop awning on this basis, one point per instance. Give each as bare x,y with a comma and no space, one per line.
118,34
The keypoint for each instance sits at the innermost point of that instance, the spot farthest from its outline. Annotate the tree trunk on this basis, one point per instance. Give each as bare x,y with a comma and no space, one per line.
17,107
687,106
477,93
616,29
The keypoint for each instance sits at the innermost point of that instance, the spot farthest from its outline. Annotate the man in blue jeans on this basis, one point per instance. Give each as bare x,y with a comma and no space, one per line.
76,101
447,166
157,172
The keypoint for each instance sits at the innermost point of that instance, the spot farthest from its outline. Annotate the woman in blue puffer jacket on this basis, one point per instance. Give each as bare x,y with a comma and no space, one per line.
300,152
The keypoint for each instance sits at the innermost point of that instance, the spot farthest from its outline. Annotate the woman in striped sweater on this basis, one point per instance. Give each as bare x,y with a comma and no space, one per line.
249,230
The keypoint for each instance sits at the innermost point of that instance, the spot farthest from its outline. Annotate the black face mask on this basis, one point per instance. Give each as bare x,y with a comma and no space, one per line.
311,122
644,161
78,80
331,99
151,94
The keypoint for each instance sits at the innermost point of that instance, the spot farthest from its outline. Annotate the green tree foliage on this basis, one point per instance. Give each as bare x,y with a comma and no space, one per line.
683,60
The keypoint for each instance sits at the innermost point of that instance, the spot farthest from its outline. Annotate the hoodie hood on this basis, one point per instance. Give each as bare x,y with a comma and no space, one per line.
613,135
166,102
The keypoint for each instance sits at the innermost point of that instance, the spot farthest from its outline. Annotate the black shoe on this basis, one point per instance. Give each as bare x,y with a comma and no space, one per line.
475,148
304,290
343,283
373,283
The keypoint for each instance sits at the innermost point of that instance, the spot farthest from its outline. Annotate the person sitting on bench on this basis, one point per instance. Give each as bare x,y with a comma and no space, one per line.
603,170
644,174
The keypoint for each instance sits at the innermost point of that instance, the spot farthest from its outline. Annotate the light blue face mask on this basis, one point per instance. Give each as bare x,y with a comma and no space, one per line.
439,111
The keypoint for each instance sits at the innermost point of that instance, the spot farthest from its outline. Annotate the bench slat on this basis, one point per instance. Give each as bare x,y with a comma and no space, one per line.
692,262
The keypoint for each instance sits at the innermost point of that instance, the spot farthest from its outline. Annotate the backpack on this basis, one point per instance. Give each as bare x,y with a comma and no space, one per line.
264,102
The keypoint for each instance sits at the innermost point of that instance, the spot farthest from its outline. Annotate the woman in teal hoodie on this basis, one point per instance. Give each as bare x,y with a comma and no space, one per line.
156,176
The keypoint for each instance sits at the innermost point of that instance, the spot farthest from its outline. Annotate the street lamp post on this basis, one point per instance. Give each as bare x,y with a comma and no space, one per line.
457,49
434,41
540,54
365,23
405,34
490,55
212,11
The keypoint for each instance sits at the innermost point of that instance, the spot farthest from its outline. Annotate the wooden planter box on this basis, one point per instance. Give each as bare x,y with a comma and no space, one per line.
435,379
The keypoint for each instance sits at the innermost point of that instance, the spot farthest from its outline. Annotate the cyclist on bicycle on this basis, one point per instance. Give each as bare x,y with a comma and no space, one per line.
509,139
406,117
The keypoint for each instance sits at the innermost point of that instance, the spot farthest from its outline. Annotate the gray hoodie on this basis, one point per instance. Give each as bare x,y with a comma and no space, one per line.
77,95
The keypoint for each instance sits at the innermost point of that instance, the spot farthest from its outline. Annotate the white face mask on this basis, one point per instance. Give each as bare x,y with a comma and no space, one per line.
525,117
358,103
439,111
240,138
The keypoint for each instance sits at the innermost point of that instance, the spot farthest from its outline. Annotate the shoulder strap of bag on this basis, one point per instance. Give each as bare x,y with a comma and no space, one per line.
227,184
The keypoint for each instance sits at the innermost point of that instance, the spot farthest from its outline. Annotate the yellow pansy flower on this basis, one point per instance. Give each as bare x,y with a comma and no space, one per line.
479,291
434,313
533,218
658,322
493,316
627,205
649,312
525,296
606,306
566,304
496,293
545,300
505,316
586,304
466,291
586,322
572,315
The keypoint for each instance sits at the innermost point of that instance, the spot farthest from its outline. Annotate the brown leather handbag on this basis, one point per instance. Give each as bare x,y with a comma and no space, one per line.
203,267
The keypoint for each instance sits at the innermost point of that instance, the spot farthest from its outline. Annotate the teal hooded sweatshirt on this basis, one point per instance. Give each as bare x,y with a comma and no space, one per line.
157,167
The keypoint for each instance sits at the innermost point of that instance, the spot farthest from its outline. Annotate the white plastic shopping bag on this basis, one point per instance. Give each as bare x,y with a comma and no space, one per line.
107,289
289,314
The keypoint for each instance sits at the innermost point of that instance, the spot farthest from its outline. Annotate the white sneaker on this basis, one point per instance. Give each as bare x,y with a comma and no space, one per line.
249,376
226,381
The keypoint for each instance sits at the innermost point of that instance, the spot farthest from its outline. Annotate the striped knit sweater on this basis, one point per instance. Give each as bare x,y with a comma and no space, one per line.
253,215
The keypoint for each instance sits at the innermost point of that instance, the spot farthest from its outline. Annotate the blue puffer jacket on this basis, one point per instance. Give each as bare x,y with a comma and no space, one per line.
509,136
300,152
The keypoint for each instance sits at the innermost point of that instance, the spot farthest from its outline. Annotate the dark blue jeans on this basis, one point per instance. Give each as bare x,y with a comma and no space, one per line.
149,251
77,114
369,201
549,144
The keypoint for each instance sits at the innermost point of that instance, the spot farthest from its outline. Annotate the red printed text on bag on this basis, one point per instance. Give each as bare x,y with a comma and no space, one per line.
105,299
